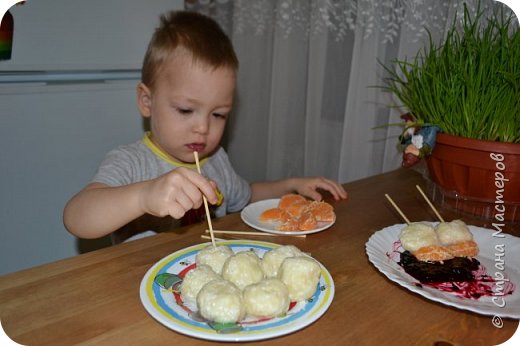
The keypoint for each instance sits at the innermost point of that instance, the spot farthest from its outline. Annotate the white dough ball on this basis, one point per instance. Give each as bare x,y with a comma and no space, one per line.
195,279
242,269
273,258
221,301
301,276
214,256
417,235
453,232
267,298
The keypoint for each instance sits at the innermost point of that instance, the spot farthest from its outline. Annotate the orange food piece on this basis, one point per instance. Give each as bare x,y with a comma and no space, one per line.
322,211
433,253
466,248
297,208
289,225
307,221
272,214
295,213
287,200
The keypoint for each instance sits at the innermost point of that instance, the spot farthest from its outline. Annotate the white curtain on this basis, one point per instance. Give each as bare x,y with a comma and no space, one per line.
307,101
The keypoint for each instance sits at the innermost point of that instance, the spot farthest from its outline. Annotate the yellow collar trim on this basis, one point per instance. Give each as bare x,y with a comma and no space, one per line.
164,156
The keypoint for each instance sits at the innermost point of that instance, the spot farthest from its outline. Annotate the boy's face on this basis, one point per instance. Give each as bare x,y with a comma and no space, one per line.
188,107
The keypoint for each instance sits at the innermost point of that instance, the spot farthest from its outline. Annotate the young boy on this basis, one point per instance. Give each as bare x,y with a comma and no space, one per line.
187,88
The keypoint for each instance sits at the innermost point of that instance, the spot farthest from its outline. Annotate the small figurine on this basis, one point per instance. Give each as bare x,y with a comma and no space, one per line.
418,140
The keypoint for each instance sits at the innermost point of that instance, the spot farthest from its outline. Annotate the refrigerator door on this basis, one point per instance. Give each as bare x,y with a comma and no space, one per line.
83,35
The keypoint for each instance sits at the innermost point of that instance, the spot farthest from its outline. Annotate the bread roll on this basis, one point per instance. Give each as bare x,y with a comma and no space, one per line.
215,257
301,276
273,258
221,301
242,269
195,279
267,298
453,232
417,235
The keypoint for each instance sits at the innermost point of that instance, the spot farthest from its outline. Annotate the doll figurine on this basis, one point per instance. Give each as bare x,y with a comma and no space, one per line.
418,140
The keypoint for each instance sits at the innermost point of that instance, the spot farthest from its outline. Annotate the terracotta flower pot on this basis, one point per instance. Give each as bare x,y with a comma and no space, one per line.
478,177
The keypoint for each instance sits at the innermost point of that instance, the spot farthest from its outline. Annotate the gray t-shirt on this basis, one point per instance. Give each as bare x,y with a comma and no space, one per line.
136,162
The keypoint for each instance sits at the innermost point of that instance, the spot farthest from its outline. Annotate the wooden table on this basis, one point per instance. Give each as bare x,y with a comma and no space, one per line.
94,298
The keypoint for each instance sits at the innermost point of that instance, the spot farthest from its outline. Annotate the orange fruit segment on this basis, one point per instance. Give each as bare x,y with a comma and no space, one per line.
433,253
307,221
272,214
289,225
466,248
322,211
287,200
296,213
297,208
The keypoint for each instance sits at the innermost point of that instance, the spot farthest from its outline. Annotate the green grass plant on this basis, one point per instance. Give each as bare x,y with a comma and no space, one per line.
469,84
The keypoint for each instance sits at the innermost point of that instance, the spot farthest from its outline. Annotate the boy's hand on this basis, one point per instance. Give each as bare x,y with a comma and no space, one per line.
176,192
308,187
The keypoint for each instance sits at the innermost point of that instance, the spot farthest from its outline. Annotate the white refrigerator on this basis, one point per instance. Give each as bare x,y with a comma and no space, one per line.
67,96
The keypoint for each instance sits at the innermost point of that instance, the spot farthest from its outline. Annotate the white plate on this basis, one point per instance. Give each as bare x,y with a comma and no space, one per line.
251,213
380,247
162,305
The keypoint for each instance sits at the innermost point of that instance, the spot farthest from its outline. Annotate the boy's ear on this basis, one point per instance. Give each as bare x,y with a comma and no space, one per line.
144,100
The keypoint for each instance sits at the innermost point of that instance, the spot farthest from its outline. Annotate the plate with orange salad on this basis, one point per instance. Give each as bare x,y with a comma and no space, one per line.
290,215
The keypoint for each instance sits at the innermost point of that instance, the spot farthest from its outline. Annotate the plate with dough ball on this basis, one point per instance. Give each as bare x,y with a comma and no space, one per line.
290,215
463,266
242,290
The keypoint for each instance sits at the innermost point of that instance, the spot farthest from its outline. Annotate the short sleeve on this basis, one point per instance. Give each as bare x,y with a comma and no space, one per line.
115,169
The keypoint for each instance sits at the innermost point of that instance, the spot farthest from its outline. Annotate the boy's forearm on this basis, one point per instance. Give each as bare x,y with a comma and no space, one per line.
271,189
306,186
99,210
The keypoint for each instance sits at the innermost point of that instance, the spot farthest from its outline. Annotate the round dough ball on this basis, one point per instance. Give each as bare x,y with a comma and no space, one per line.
301,276
195,279
453,232
267,298
273,258
242,269
215,257
221,301
417,235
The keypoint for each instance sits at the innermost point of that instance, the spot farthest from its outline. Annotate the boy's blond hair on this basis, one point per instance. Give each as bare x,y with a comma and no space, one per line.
199,35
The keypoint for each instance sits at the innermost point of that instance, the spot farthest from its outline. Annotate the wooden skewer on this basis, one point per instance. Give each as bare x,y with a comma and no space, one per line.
204,199
430,203
219,239
397,208
203,236
256,233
